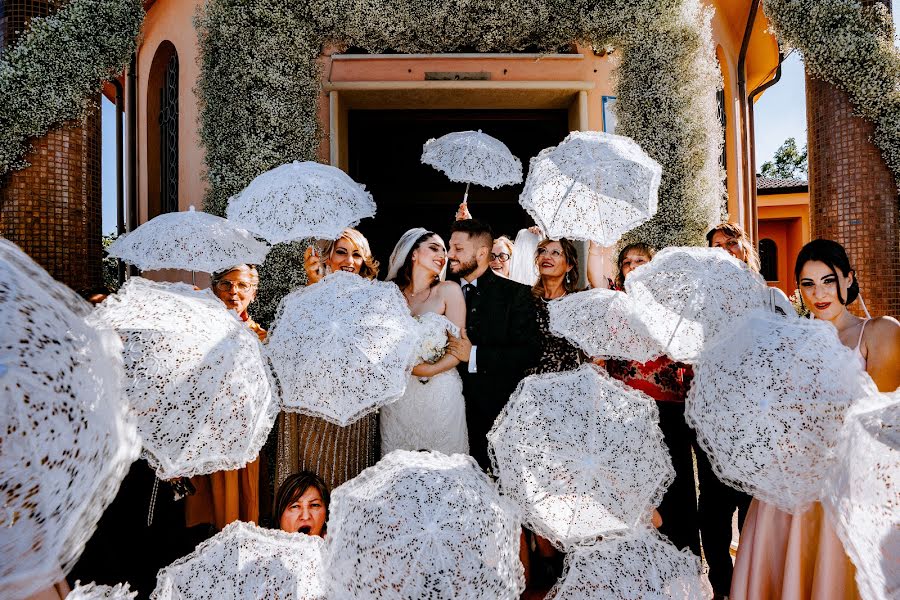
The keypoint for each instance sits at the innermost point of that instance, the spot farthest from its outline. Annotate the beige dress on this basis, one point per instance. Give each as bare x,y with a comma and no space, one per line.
336,454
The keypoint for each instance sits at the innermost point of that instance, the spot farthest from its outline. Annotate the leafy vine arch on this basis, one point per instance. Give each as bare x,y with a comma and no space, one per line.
260,86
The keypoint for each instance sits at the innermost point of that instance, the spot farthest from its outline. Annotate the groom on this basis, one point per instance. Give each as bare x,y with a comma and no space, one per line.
501,337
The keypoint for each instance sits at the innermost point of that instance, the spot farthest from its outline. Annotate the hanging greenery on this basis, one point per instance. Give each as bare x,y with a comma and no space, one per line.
260,87
57,65
852,48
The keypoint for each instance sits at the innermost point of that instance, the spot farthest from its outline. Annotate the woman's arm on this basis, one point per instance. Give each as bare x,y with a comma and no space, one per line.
599,266
455,311
882,340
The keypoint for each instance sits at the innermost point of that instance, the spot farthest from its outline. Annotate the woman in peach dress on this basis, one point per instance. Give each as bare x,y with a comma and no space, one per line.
782,556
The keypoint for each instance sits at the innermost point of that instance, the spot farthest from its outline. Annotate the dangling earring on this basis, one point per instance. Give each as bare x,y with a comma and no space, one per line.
567,276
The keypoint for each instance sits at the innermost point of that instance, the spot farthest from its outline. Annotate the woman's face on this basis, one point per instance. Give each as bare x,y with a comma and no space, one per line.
731,245
431,255
345,257
819,288
632,260
500,259
237,289
551,261
306,514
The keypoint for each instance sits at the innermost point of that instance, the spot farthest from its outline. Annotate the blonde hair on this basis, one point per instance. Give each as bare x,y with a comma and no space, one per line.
369,268
505,241
735,231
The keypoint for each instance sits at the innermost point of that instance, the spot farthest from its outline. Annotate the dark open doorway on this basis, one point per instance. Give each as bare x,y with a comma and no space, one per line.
384,151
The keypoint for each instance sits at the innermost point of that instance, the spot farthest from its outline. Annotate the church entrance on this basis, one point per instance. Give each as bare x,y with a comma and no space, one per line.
384,148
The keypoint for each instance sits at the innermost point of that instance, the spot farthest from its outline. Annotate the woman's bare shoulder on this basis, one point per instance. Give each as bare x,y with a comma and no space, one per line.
449,289
883,330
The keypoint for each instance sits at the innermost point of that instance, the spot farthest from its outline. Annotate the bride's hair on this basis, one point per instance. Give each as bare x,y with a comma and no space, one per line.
404,275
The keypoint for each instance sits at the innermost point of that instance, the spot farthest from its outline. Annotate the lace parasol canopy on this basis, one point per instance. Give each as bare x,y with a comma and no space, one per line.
592,186
473,157
581,453
93,591
604,323
642,565
862,494
423,525
687,296
768,402
196,378
246,561
190,240
343,347
68,438
300,200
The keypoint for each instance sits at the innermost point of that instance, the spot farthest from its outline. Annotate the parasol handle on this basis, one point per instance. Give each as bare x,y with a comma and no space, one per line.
466,195
680,318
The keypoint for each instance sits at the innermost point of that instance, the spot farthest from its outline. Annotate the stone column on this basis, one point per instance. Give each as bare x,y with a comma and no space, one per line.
53,209
853,195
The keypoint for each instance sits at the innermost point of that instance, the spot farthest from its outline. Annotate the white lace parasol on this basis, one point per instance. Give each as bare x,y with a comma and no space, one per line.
343,347
768,401
686,296
862,494
592,186
301,200
473,157
197,380
246,561
423,525
642,566
68,439
92,591
582,453
191,240
603,323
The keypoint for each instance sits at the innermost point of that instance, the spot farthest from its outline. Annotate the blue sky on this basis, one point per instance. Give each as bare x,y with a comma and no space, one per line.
780,114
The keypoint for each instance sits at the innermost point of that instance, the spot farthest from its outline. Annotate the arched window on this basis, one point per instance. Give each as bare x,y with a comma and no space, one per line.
768,259
162,132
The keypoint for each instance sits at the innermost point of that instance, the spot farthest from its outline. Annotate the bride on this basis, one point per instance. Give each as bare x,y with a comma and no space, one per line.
431,415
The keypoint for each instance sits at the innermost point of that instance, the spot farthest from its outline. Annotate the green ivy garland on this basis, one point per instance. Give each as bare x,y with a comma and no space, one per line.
48,76
259,88
852,48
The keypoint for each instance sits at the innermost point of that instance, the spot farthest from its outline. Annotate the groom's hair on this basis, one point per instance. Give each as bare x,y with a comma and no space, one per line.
480,232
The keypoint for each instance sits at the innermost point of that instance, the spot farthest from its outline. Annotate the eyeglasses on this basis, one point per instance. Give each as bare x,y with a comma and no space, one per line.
553,253
502,257
224,285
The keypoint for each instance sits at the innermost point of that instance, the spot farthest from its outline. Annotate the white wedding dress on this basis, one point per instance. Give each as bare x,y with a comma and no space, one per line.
431,414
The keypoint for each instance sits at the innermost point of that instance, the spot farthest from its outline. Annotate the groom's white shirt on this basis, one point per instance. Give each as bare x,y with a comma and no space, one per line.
472,365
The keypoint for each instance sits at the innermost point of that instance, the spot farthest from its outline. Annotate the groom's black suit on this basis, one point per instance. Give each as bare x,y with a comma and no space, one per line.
501,323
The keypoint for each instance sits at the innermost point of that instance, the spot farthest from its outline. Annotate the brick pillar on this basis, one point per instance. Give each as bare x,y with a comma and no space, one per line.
853,195
53,209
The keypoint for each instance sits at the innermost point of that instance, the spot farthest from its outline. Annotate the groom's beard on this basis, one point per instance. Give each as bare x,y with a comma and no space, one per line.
463,269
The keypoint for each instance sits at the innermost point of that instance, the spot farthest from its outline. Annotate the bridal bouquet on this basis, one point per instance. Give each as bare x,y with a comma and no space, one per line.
433,336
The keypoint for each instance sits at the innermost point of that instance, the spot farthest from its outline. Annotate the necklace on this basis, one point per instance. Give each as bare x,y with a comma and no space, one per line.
410,294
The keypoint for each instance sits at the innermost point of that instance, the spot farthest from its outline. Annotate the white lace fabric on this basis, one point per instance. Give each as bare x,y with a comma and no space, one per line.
641,565
68,438
343,347
196,377
592,186
604,323
301,200
862,494
687,296
581,453
768,402
191,240
93,591
423,525
246,561
473,157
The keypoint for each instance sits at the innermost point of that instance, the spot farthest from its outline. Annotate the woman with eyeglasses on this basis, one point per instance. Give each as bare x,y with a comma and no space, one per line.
226,496
501,253
557,266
